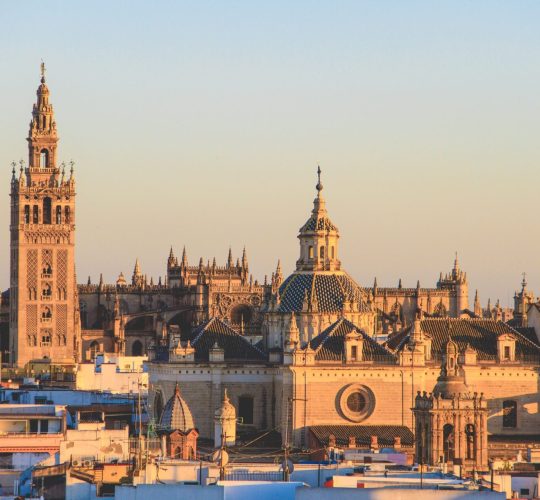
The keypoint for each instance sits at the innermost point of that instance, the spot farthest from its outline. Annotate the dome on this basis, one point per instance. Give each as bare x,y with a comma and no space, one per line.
328,289
227,410
176,414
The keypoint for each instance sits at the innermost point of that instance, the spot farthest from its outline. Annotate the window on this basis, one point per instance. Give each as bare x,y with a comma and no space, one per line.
67,215
34,426
58,214
27,214
509,414
44,426
310,252
321,253
245,409
35,214
47,211
354,353
44,158
470,435
45,340
507,352
137,348
356,402
40,400
448,442
524,492
333,252
94,349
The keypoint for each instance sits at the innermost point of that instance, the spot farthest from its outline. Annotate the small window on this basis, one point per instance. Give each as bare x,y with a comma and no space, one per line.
34,426
310,252
509,414
44,159
59,214
35,214
27,214
47,210
333,252
245,409
354,353
321,253
507,352
524,492
40,400
67,215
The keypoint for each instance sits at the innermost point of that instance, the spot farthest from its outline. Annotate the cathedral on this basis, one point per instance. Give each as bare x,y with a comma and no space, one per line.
312,354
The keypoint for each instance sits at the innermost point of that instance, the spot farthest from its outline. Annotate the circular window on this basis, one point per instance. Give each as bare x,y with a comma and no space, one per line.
356,402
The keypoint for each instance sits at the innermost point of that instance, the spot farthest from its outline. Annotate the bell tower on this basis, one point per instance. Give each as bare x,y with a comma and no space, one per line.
44,322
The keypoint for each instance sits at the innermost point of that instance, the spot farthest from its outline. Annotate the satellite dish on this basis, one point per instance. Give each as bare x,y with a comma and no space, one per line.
221,457
289,464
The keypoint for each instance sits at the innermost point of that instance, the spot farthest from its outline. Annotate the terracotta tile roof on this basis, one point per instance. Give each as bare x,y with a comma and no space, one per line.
480,334
329,291
329,345
363,433
528,332
235,346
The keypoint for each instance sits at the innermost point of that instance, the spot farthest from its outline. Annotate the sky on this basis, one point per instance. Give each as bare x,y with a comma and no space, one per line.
202,123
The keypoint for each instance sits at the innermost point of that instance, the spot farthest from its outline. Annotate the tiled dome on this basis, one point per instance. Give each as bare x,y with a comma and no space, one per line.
176,414
328,289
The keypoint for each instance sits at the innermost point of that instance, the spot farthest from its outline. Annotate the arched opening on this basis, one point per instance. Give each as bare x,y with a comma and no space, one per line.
509,414
321,253
47,210
94,350
59,214
470,434
241,315
333,252
46,292
137,348
448,442
27,214
178,452
245,409
310,252
67,215
35,214
44,158
158,406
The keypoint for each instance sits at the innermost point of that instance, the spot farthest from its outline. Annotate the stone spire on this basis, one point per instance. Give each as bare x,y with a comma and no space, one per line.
184,262
170,260
230,263
244,260
137,278
477,306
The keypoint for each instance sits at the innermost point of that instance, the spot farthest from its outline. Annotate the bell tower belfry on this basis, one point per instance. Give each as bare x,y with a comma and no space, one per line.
44,321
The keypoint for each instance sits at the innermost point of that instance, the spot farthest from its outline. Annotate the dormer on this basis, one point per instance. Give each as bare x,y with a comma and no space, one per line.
216,354
506,348
182,353
354,346
469,356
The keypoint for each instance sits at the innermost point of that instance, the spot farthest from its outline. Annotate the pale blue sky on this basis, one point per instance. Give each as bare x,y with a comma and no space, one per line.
201,123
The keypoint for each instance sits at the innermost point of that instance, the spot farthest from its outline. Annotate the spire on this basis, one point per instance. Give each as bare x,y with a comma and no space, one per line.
399,284
456,263
229,259
170,260
184,257
137,268
319,186
477,306
244,259
524,282
137,279
42,137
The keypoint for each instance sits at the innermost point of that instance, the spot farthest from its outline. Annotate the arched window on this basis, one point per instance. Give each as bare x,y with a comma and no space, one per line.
321,253
178,452
448,442
137,348
509,414
58,214
47,291
94,350
35,214
47,210
333,252
44,158
470,435
245,409
67,215
310,252
27,214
